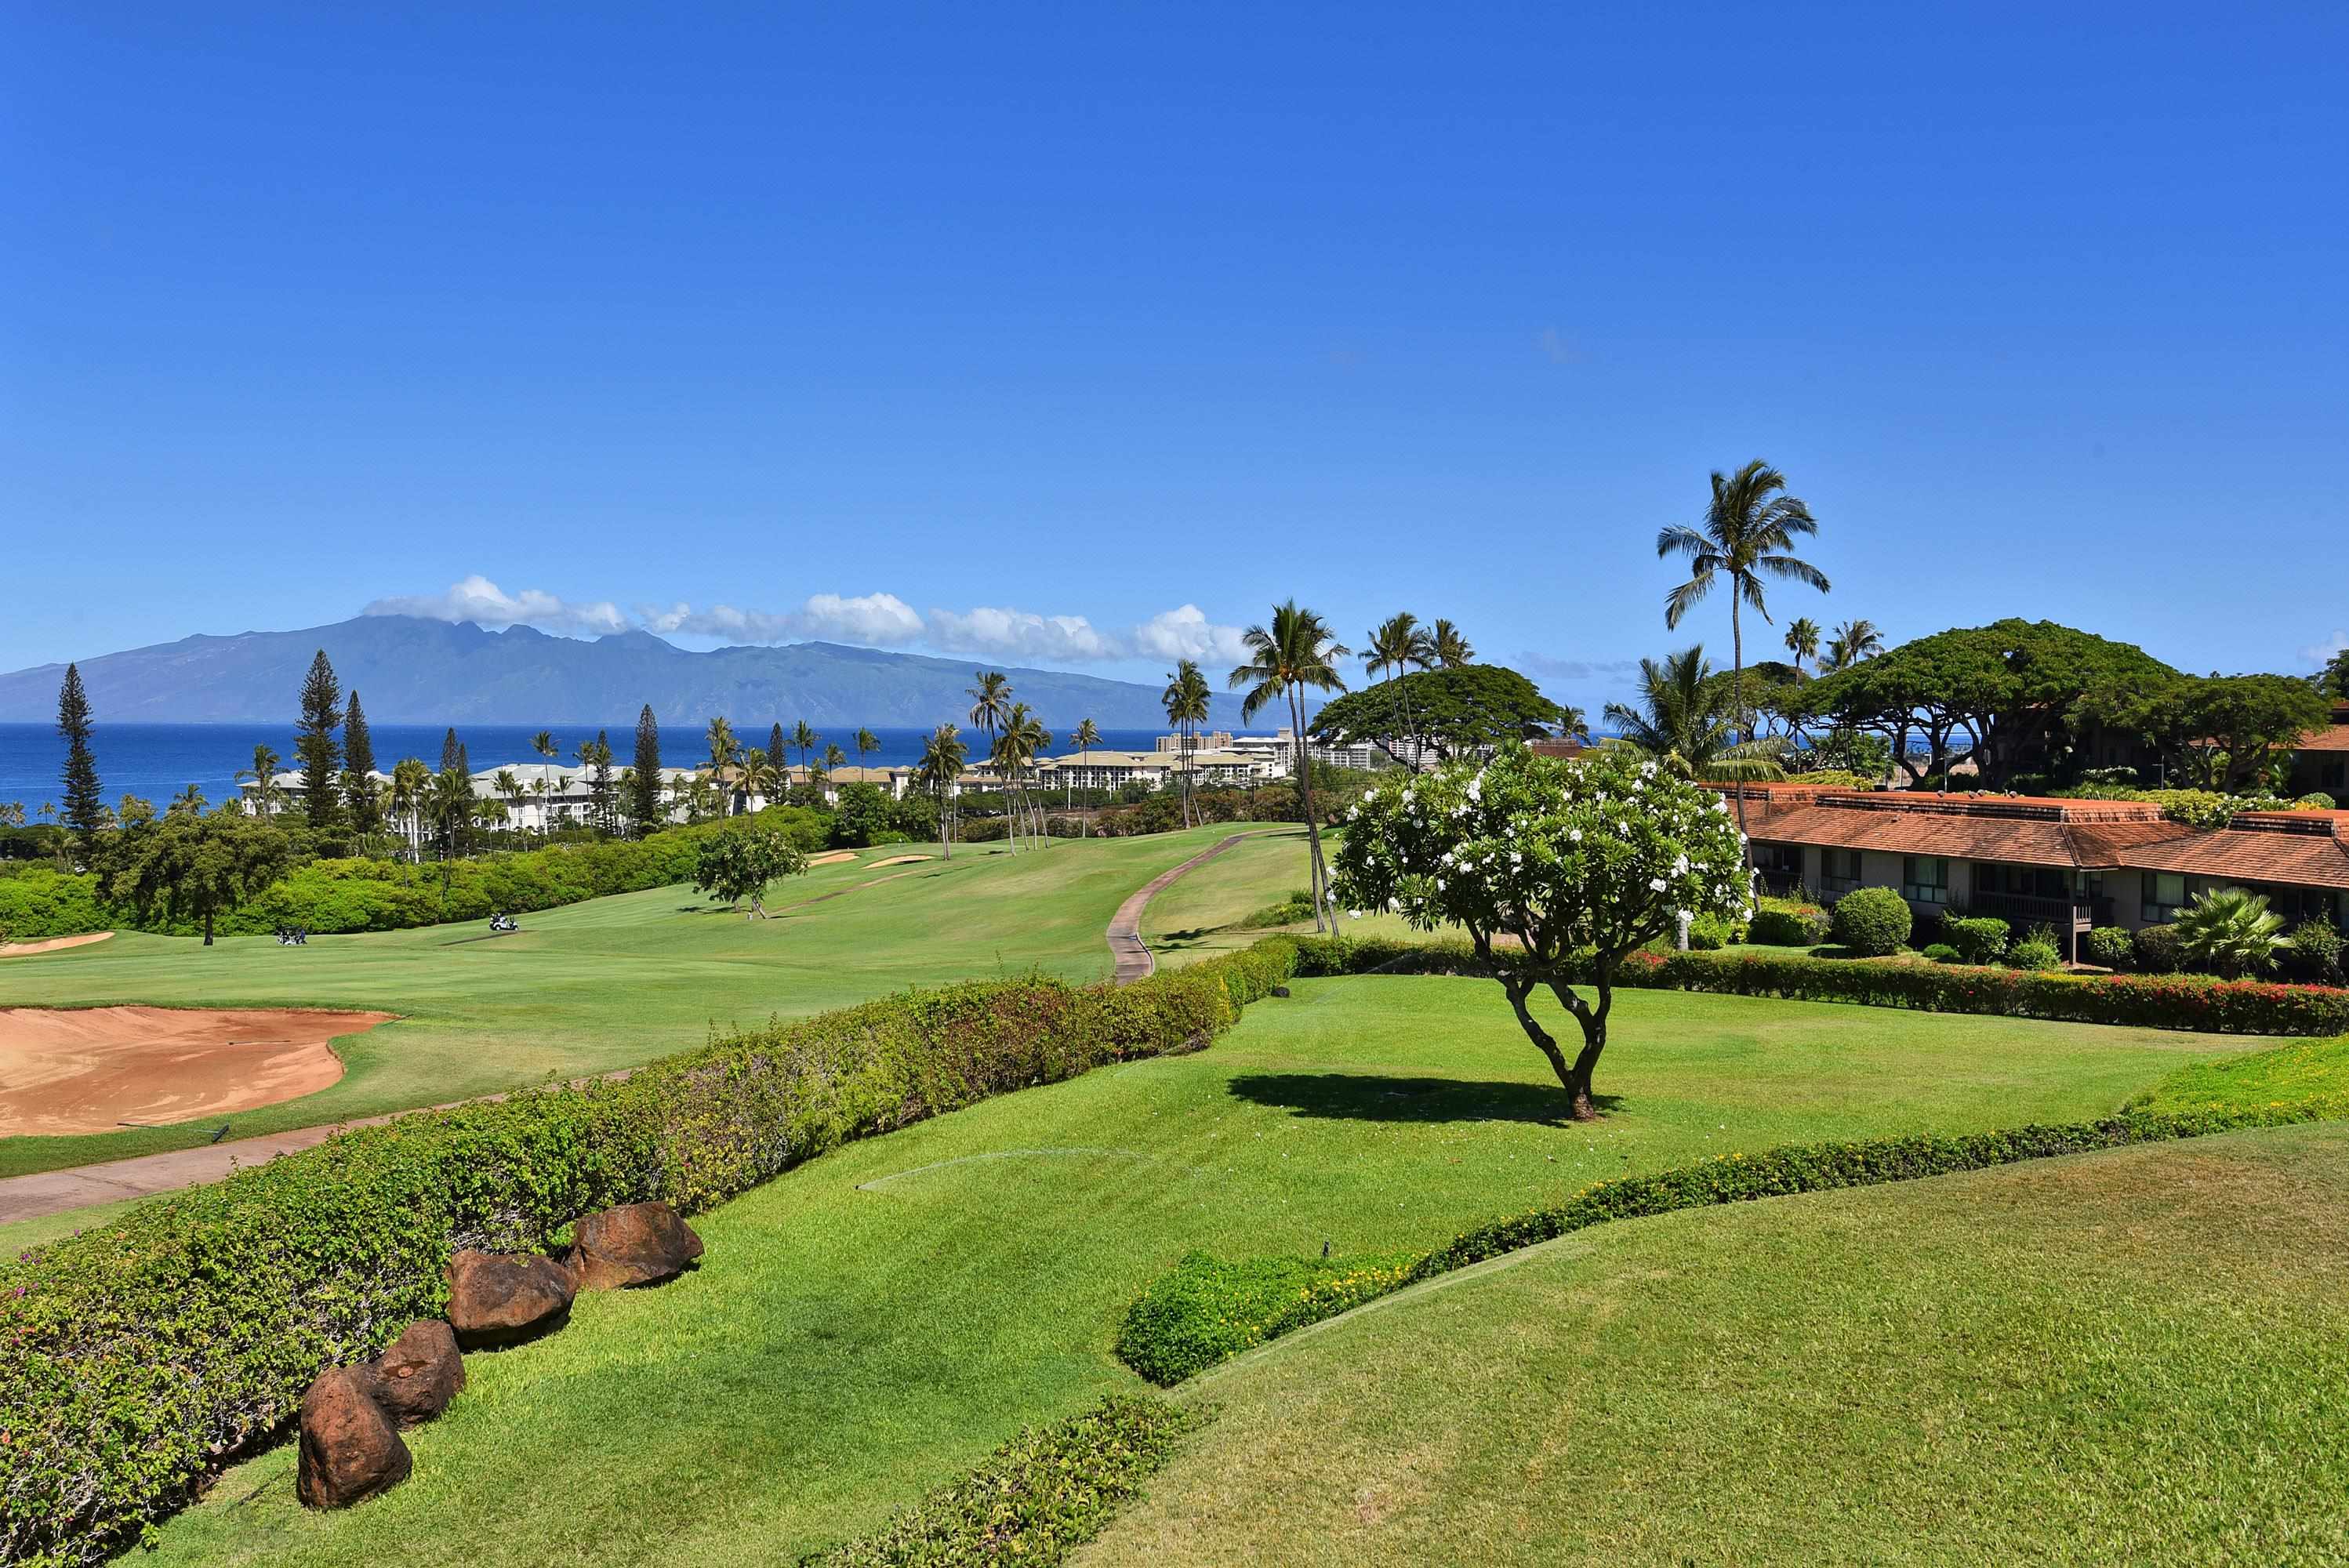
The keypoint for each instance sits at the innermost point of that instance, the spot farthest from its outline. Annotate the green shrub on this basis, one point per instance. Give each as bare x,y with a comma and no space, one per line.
1778,1173
2034,955
2112,946
2314,801
2229,931
2314,955
1046,1490
1980,939
44,902
1205,1310
1710,932
1297,906
1872,922
2157,950
1942,952
1779,924
133,1355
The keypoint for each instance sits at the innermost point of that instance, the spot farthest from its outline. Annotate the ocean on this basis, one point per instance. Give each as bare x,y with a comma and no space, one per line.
156,761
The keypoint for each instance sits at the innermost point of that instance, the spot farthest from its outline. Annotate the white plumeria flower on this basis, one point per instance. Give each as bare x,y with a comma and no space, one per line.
1656,884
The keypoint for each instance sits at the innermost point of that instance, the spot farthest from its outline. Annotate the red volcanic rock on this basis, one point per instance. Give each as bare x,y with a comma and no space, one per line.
495,1299
636,1243
418,1374
350,1452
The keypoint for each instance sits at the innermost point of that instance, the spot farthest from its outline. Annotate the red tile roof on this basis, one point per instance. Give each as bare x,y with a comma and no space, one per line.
1965,835
2256,852
2333,737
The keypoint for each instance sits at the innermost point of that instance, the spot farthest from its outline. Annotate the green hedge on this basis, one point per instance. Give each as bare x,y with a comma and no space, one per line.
1166,1346
1036,1497
2145,1001
136,1356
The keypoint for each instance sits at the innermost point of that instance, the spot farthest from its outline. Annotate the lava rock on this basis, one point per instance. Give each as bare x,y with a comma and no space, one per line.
350,1450
636,1243
418,1374
494,1299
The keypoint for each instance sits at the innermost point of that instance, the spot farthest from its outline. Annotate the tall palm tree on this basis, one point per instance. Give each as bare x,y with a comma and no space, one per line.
510,789
1802,641
1294,652
545,744
833,758
188,803
1452,649
804,740
1087,737
1186,699
409,779
759,775
990,700
1020,736
1396,645
1853,641
943,757
266,793
867,744
1748,531
1682,722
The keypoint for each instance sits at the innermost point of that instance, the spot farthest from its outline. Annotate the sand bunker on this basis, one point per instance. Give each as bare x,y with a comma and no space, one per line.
900,860
92,1070
834,858
26,949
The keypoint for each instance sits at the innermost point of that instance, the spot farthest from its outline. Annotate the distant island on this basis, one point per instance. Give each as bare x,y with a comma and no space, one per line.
418,671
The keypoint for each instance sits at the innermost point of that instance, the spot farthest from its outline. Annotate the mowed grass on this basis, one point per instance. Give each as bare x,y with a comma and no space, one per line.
610,983
872,1324
1199,916
2140,1355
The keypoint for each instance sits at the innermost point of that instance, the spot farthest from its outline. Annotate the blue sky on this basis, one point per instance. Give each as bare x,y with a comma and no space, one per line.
1077,336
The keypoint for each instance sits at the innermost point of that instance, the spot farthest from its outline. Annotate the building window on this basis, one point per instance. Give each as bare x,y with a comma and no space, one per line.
1839,869
1925,879
2167,892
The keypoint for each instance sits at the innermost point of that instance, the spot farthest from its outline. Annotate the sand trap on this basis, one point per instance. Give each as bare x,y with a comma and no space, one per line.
25,949
900,860
90,1069
834,858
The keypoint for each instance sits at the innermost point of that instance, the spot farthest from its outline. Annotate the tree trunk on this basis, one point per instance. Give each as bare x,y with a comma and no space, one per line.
1573,1077
1318,876
208,927
1737,690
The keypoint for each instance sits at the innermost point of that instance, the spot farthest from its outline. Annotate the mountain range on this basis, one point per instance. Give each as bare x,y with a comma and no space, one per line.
413,670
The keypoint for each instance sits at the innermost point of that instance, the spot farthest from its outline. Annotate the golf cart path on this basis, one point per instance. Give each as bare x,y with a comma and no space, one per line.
45,1192
1135,959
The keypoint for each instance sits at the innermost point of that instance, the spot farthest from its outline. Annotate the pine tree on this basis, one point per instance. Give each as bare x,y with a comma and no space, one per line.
779,762
85,803
314,743
358,766
599,781
646,807
453,755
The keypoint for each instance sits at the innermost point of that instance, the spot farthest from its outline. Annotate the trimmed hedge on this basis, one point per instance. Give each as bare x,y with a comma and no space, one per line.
136,1358
1033,1498
1205,1310
1777,1172
1788,925
1979,939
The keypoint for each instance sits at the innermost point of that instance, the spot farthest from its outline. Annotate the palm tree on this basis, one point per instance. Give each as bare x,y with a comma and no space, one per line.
1452,649
1802,640
2230,932
510,789
990,700
1087,737
804,739
268,794
1747,532
188,803
449,807
943,757
1295,652
833,758
758,776
1186,699
1853,641
1021,736
867,744
409,779
1681,723
1396,645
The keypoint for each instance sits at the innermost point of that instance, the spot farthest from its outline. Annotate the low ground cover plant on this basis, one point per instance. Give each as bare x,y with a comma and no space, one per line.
137,1356
1045,1491
1205,1310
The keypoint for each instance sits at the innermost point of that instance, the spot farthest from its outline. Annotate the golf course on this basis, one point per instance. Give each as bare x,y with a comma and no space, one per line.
1912,1372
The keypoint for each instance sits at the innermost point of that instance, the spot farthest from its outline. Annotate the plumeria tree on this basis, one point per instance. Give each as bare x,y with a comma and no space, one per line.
1558,870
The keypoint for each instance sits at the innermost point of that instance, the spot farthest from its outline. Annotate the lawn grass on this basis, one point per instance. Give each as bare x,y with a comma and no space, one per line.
609,982
872,1324
2137,1356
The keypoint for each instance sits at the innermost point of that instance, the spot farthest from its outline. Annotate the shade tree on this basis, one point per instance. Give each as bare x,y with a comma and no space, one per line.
196,868
1449,714
739,861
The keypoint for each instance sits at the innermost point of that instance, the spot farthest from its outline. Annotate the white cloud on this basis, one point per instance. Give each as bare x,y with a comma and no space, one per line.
878,619
2326,653
479,600
1550,668
1018,633
1187,633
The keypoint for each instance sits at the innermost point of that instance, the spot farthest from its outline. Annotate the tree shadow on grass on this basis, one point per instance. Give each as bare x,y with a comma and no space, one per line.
1378,1097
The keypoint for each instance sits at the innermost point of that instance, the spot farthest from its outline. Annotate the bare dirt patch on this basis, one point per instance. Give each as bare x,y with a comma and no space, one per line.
900,860
95,1069
50,944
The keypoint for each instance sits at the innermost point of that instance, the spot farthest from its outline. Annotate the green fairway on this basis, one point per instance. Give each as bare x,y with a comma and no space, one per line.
1199,916
609,982
2132,1357
871,1323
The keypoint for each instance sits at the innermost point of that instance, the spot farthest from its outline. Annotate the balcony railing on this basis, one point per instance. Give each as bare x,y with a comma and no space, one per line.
2024,909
